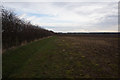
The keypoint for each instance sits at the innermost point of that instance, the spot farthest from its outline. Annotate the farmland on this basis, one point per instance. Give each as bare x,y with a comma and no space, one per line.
64,56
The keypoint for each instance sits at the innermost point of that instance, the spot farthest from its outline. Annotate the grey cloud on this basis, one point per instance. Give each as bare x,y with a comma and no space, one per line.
105,15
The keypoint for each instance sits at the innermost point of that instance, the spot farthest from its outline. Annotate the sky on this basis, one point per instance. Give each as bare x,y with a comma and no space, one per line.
69,16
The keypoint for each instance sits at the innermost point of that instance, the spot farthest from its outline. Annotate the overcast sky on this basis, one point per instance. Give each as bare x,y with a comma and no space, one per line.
69,16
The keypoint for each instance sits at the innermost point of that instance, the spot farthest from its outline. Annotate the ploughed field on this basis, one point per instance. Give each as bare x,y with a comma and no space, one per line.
65,56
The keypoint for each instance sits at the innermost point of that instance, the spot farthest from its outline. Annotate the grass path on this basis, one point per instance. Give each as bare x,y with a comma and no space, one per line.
21,57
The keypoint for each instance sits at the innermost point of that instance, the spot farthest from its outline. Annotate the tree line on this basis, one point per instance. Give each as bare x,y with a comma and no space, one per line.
16,31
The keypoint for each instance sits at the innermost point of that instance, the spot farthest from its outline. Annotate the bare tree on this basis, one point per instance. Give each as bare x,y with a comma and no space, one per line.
16,31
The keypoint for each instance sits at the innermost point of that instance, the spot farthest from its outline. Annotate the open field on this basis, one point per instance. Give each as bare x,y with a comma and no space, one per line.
66,56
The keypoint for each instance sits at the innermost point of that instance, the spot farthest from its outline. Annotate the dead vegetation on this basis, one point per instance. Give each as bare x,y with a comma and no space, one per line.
95,56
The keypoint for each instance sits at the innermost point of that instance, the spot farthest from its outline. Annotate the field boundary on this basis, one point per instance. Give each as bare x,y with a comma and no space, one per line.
23,44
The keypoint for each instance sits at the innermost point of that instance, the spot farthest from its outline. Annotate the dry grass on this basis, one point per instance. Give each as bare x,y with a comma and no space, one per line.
91,56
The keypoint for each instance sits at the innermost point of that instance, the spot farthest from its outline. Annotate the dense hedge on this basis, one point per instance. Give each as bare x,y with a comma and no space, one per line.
16,31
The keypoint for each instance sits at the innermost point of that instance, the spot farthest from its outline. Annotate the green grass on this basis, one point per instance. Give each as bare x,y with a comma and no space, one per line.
16,60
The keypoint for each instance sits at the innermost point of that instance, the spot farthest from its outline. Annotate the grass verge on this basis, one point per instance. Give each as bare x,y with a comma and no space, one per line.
16,59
